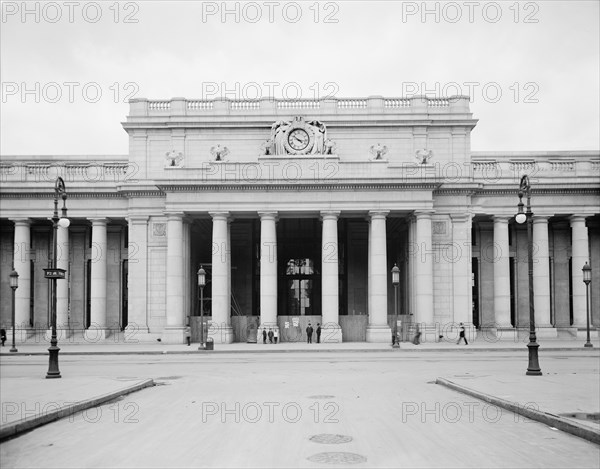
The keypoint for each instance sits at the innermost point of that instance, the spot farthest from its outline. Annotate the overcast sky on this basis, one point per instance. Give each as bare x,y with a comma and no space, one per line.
68,68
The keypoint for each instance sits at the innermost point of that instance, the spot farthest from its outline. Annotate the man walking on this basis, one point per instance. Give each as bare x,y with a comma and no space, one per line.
318,333
461,335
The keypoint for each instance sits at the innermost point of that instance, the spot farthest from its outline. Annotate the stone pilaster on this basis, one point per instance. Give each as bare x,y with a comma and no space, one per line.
541,277
579,256
423,261
501,273
98,324
62,286
221,330
137,319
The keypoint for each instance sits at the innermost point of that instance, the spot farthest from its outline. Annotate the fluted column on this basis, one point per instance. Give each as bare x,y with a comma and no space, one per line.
579,256
378,329
22,259
221,331
332,332
423,269
98,327
62,286
462,269
541,272
501,273
268,271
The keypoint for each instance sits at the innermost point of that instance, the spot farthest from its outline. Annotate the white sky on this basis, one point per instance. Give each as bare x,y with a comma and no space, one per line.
542,56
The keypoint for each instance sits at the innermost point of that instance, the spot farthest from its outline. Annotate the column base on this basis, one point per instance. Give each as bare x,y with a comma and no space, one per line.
331,333
566,332
379,334
172,335
93,336
221,334
582,333
546,331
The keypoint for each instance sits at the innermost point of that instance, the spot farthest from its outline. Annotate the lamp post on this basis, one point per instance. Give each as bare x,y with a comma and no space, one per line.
53,274
395,282
14,284
201,284
587,278
525,189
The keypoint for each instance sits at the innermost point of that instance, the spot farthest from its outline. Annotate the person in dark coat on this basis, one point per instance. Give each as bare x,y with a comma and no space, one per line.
309,333
417,338
3,336
318,333
461,335
264,336
270,336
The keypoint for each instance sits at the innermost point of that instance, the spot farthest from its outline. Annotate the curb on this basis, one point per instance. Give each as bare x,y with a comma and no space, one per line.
390,350
14,429
546,418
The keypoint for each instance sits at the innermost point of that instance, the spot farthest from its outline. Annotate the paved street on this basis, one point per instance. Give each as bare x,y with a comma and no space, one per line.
291,409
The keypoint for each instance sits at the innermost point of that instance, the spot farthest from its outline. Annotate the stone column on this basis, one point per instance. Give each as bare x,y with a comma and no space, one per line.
332,332
423,260
462,269
579,256
98,328
378,329
268,272
221,330
21,260
501,273
541,277
62,286
137,259
174,332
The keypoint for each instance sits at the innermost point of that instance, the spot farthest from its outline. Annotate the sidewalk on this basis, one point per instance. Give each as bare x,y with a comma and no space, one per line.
109,347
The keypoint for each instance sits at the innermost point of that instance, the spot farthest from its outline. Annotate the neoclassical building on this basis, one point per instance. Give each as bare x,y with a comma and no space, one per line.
298,211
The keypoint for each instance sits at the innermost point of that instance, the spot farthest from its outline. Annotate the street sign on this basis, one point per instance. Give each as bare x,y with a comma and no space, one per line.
54,273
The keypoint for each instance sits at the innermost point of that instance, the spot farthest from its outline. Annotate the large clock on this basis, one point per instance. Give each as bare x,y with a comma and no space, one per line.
298,139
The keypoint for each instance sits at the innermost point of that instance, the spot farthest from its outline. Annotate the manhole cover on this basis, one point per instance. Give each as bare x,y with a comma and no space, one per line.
321,396
594,417
330,439
337,458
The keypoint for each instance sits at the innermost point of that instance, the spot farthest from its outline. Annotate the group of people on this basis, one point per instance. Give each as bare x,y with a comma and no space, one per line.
309,333
461,335
272,335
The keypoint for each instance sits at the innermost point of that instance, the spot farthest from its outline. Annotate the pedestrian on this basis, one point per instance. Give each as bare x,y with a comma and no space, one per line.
3,336
417,338
309,332
188,334
318,333
461,335
264,336
276,335
270,335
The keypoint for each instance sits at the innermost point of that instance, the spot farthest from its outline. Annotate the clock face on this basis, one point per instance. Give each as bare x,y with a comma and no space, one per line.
298,139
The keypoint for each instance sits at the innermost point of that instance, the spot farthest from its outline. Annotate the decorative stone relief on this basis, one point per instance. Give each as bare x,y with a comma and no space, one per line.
298,137
423,155
378,151
439,227
174,159
219,153
159,230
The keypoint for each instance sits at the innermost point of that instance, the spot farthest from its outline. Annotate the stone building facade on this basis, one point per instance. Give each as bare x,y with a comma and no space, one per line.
298,210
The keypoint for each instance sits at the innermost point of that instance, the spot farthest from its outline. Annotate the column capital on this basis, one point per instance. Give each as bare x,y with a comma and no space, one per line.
540,219
502,218
461,217
268,215
21,221
138,219
330,214
577,218
219,215
378,214
423,213
98,221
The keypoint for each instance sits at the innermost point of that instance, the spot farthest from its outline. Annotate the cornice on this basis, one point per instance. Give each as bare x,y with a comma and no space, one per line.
174,187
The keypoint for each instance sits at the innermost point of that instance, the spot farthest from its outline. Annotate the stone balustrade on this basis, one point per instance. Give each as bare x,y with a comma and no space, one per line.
142,107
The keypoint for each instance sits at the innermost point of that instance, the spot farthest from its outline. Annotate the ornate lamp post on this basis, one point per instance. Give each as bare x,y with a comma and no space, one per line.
395,282
14,284
525,188
201,284
53,274
587,278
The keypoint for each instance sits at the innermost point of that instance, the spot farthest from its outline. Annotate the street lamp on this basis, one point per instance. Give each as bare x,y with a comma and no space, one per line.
525,188
54,273
587,278
395,282
201,284
14,284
